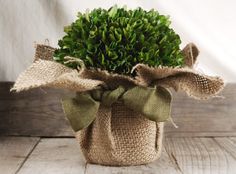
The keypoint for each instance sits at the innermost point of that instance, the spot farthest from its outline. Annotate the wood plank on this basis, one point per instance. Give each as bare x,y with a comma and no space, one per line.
55,155
200,155
14,151
162,165
38,112
229,144
62,155
214,117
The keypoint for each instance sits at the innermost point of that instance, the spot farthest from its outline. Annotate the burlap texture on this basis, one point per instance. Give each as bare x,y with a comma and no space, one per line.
43,52
194,84
121,137
45,73
190,53
111,80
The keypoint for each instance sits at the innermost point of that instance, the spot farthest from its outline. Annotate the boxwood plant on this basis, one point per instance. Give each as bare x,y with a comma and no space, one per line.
117,39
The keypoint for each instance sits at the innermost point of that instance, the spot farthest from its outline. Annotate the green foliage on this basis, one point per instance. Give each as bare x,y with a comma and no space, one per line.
117,39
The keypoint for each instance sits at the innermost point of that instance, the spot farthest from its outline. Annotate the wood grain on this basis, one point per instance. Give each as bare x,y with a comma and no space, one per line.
59,156
229,144
200,155
38,112
14,151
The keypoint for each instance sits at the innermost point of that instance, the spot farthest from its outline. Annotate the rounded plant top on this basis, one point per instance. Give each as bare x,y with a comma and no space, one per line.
117,39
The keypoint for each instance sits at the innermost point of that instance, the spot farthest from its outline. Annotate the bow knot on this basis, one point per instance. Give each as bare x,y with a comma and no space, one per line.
153,103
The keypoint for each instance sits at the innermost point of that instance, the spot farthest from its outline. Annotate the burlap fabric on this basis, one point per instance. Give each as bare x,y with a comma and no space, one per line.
118,135
121,137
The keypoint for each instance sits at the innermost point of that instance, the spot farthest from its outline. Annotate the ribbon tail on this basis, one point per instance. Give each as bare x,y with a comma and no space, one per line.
159,137
80,111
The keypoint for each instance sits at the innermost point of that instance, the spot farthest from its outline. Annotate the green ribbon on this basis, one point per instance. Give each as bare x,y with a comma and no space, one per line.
153,103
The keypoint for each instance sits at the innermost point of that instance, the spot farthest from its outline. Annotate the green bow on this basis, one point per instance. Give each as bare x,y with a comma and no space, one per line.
153,103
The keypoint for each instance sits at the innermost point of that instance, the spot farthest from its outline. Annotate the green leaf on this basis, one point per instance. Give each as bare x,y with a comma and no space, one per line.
89,59
87,14
103,59
113,11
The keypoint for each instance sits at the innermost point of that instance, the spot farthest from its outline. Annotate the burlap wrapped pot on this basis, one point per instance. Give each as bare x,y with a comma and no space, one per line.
120,136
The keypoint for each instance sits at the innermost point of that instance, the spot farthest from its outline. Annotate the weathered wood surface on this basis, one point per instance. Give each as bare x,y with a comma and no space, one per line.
229,144
200,155
14,151
59,156
38,112
62,155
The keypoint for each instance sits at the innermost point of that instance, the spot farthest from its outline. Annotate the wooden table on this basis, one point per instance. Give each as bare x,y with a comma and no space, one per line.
32,155
36,137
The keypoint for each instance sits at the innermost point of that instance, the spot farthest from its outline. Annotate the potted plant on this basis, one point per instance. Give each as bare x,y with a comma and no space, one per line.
120,63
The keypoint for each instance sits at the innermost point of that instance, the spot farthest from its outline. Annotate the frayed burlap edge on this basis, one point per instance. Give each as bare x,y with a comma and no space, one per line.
193,83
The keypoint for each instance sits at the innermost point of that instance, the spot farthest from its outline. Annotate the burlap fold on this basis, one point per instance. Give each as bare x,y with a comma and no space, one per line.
111,80
194,84
44,52
190,53
45,73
